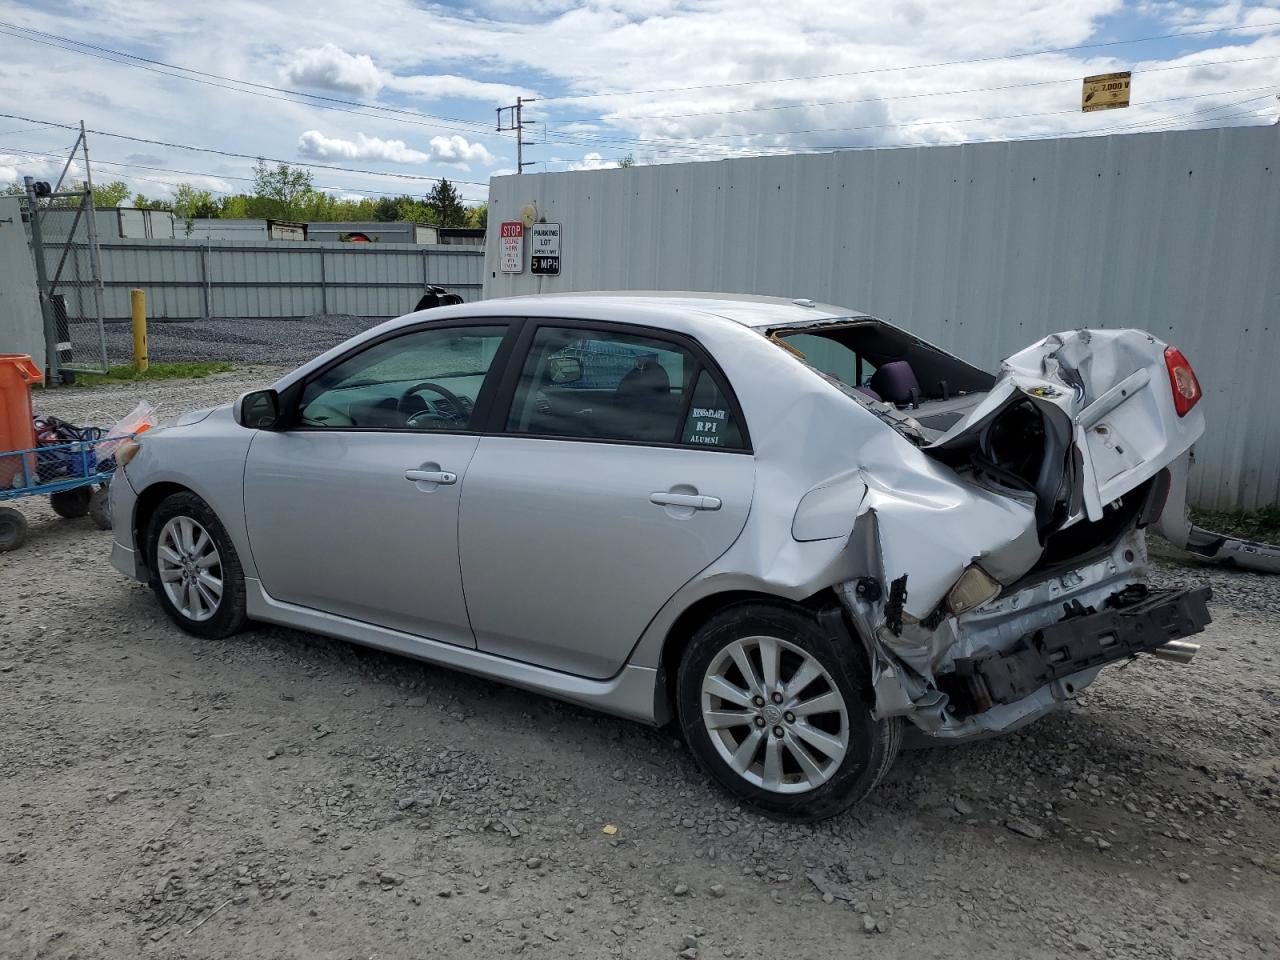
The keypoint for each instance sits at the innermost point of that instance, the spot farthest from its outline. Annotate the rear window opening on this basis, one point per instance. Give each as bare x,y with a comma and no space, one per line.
886,364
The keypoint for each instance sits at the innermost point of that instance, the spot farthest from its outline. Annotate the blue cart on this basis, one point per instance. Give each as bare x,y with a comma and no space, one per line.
75,476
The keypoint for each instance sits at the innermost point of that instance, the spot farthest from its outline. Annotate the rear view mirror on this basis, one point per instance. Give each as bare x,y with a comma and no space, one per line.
565,369
257,409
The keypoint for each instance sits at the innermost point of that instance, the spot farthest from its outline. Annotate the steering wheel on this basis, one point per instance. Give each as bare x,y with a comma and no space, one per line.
461,409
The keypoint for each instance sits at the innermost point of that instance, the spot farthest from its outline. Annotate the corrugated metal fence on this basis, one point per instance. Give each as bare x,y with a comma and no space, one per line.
981,248
196,279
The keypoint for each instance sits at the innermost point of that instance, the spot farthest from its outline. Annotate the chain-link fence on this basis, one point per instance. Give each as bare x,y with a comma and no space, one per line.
66,248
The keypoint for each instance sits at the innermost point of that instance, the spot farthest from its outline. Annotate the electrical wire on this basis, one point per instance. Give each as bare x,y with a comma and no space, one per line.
250,156
916,66
197,173
615,117
126,59
684,141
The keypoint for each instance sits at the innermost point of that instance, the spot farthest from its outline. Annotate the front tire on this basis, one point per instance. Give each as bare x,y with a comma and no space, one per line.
779,714
194,569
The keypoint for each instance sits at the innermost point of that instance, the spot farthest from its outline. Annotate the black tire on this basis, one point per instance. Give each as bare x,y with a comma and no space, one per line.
229,617
71,504
100,508
13,529
872,744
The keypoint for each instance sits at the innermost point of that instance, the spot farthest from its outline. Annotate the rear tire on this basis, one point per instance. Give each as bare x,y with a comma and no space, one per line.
71,504
100,508
13,529
796,739
194,569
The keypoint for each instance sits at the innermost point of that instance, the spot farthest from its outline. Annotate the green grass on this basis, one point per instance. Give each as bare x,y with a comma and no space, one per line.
157,371
1262,525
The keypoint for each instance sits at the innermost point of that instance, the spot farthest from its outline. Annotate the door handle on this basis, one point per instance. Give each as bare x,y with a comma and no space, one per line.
431,476
696,501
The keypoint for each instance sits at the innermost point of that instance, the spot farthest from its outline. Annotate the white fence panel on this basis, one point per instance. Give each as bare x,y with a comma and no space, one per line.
981,248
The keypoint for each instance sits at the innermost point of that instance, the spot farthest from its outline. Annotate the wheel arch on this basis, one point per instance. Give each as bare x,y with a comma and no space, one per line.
145,507
703,609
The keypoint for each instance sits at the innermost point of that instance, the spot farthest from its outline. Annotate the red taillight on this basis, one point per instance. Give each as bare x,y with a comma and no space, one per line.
1186,388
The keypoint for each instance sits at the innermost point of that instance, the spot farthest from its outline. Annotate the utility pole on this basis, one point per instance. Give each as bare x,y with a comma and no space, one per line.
515,123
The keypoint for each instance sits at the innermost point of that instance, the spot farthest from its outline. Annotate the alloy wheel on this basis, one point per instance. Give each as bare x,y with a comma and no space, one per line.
190,568
775,714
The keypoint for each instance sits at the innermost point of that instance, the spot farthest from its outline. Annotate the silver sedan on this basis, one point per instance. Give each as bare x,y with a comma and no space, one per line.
797,531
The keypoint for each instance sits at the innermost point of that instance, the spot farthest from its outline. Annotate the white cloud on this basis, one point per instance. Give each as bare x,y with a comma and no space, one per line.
485,52
330,67
592,161
449,85
316,146
452,150
457,150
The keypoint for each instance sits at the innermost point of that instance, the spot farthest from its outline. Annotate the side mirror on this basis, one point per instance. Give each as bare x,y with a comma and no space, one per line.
257,409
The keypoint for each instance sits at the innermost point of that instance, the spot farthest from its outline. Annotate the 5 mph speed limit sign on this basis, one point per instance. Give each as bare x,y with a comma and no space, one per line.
544,254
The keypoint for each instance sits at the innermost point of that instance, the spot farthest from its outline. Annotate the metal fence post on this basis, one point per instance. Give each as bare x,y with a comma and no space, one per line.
204,277
95,255
324,287
42,281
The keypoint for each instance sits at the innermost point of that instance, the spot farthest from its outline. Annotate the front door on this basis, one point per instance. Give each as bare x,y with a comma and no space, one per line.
353,510
621,473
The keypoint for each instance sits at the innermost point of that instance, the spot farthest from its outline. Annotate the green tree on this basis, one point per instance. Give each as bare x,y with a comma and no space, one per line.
282,188
386,209
446,206
147,203
110,195
478,216
191,202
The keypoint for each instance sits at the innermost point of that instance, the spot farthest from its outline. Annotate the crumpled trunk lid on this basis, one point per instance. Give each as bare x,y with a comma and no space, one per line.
1109,419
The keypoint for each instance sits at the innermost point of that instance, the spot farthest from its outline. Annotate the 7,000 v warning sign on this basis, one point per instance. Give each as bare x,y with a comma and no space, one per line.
544,255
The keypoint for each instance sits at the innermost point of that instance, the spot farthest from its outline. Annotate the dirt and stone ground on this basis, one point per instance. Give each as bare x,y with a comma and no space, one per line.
285,795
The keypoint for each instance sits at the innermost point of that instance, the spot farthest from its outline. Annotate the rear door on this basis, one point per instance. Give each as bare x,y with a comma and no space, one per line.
353,510
622,469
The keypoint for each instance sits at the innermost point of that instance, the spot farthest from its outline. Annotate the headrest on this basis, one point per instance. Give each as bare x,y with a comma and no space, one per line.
896,382
647,376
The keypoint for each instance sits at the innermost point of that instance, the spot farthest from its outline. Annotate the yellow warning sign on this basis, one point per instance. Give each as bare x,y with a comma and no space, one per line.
1107,91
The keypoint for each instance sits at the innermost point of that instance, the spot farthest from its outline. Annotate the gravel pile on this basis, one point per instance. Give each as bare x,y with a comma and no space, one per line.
281,794
283,341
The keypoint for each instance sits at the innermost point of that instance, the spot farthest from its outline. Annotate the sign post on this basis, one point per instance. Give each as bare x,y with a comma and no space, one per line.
512,246
545,255
1106,91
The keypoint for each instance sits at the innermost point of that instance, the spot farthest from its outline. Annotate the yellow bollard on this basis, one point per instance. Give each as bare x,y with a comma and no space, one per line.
138,300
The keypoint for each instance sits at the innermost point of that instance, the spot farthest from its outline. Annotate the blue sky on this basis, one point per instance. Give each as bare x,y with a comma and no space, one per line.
413,86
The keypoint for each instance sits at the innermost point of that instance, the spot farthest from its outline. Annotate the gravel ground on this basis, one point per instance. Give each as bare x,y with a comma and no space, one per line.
284,795
283,341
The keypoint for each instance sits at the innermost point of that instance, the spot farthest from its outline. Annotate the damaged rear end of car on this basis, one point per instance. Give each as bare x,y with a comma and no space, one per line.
1001,547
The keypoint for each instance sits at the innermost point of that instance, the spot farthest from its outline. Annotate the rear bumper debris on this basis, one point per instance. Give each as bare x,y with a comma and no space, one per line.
1133,621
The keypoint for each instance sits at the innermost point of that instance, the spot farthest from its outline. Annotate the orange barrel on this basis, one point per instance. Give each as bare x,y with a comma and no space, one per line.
17,373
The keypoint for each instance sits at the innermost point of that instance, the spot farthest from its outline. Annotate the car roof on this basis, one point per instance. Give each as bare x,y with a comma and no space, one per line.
745,309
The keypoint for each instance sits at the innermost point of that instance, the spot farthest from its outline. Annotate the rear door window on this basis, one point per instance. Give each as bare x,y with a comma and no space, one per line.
609,385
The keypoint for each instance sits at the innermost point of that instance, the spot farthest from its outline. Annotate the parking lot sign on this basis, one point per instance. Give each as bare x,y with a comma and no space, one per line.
545,255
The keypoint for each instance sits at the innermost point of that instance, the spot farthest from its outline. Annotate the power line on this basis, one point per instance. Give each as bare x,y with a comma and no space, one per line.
211,176
125,59
917,66
685,141
616,118
249,156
